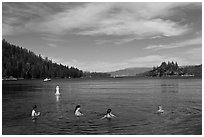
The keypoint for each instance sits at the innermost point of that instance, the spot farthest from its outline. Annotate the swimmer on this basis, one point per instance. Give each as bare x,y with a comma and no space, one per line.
57,91
108,115
35,114
160,110
77,111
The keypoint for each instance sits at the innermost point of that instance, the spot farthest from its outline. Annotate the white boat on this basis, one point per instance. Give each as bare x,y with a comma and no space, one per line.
11,78
47,79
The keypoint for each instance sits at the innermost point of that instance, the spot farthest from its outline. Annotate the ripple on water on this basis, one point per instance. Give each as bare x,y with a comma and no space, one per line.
133,102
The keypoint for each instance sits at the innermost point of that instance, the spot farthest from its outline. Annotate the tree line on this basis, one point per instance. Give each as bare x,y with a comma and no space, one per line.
173,69
19,62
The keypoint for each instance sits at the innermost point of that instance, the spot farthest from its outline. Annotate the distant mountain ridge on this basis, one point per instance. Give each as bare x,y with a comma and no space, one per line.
129,71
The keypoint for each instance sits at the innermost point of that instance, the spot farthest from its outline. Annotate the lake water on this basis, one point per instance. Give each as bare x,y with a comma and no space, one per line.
133,101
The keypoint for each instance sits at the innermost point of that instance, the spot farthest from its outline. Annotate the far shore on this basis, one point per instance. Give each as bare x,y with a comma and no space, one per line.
124,77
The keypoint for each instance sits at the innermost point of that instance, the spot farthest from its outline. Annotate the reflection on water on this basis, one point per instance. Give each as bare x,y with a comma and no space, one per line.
109,125
57,98
134,102
169,87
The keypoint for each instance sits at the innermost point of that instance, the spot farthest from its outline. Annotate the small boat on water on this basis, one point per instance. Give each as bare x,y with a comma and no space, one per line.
10,78
47,79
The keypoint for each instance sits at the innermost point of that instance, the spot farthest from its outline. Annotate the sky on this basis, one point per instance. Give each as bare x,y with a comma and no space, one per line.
107,36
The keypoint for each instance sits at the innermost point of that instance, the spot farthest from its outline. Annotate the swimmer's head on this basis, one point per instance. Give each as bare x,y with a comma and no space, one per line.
78,106
159,107
108,111
34,107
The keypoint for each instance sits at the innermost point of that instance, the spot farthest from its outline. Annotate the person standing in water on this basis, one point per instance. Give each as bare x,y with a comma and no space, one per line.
57,91
34,114
77,111
108,115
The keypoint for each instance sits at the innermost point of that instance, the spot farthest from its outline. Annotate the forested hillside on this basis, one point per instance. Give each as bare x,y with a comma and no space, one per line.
195,70
22,63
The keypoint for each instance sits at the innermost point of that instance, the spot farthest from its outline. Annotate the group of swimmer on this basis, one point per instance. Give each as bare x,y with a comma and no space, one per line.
108,114
78,113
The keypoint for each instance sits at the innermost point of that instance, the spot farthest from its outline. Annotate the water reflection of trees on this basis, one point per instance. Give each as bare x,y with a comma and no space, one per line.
169,87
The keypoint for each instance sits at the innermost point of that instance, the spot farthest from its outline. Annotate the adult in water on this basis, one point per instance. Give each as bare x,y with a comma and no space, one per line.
34,113
108,115
77,111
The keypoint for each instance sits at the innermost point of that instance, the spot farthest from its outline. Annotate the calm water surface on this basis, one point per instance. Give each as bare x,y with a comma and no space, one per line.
133,101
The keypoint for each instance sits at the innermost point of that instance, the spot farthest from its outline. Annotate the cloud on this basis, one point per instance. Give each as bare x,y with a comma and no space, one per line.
126,40
52,45
7,29
120,19
97,66
195,55
51,38
74,63
194,41
152,60
155,37
17,15
142,28
100,42
105,66
142,61
195,51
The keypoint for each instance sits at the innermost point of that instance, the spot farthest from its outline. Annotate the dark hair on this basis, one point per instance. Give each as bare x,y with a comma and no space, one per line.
78,106
34,106
160,106
108,111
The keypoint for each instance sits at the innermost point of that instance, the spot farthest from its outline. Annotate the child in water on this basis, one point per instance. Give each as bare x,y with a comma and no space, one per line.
57,91
35,114
108,115
160,110
77,111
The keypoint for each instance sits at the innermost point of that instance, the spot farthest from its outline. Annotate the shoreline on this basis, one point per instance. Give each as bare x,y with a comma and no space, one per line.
104,78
